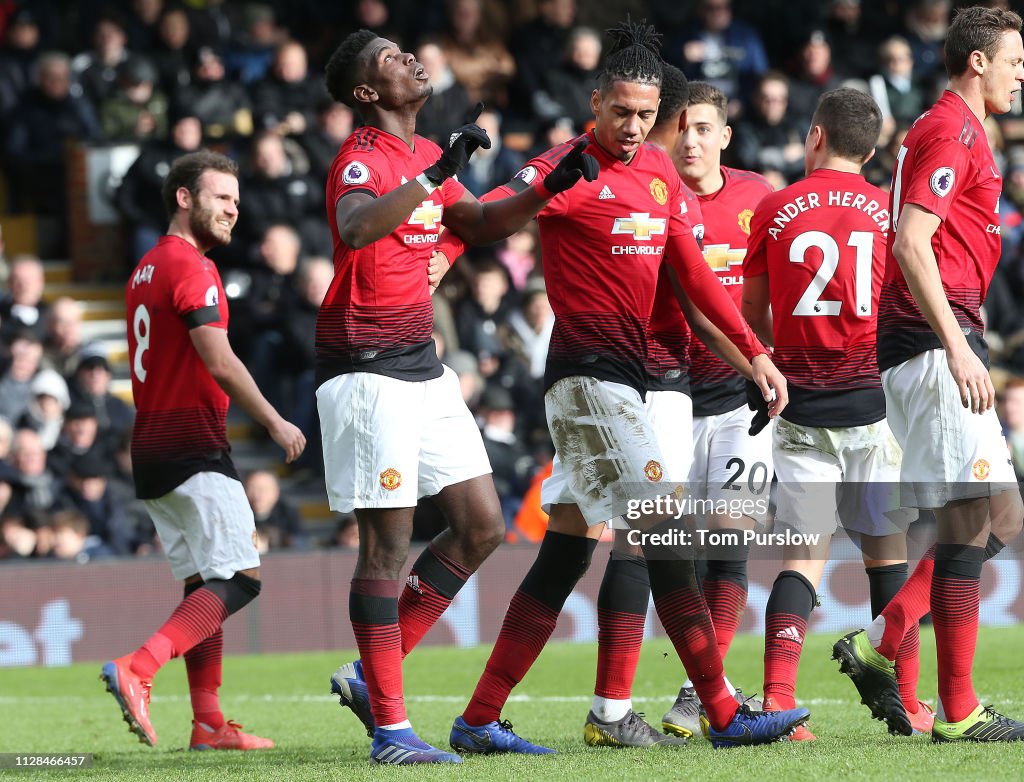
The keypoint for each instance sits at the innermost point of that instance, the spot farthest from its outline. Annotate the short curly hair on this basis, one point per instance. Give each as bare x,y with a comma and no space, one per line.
344,69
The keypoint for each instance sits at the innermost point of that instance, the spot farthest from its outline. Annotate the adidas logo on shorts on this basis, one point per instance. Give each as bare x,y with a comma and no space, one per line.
605,194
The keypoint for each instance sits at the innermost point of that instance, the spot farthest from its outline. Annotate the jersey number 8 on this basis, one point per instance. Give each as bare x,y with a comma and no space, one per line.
140,326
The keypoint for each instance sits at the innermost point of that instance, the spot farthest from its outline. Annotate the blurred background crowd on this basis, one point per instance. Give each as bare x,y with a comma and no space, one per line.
164,78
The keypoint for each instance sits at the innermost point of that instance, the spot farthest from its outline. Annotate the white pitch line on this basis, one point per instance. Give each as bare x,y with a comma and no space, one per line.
15,700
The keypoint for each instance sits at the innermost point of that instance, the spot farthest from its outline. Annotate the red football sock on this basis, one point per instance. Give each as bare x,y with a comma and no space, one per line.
197,617
203,664
956,592
621,613
908,606
787,612
527,627
373,608
726,600
684,614
908,668
432,584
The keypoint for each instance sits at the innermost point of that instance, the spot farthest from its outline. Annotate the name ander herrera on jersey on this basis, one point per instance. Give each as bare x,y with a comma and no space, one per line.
844,198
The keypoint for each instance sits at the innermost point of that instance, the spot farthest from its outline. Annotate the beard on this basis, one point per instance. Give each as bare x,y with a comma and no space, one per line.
203,224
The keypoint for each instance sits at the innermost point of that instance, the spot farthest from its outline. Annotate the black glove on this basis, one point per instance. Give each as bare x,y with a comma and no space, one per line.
462,144
571,167
755,401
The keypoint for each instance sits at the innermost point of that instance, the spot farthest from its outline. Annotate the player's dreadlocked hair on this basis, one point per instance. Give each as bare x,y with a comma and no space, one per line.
343,69
675,94
634,55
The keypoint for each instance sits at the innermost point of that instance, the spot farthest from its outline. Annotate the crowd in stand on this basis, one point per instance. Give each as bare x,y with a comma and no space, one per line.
246,79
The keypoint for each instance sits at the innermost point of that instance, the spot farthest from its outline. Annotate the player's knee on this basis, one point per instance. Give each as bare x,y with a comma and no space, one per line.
1008,517
236,592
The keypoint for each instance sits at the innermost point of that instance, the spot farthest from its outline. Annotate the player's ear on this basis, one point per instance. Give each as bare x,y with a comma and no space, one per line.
871,154
183,197
595,102
977,60
682,121
364,93
726,136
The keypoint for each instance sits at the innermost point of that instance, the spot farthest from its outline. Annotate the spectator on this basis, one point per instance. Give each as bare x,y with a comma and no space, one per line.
171,54
87,491
91,385
490,168
321,141
448,104
815,75
136,110
62,345
249,56
346,533
480,316
518,254
467,368
852,36
6,441
143,24
271,510
48,117
893,87
23,308
571,85
26,353
926,24
258,318
45,414
37,487
717,48
122,489
138,198
511,464
528,332
538,47
72,540
477,56
277,190
769,140
17,59
17,537
1013,423
79,435
314,279
284,101
222,106
96,70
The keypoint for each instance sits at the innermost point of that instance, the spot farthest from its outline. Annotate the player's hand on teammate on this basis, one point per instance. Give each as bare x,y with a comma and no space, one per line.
437,268
462,143
772,387
571,168
290,438
973,380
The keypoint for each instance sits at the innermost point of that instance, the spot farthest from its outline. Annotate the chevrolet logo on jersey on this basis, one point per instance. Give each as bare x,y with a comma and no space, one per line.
640,225
720,256
426,214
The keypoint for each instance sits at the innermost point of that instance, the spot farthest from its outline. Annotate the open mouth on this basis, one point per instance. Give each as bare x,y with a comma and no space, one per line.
421,73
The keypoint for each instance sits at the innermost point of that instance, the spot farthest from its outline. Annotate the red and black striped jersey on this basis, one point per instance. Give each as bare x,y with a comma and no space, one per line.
717,387
669,335
945,165
180,427
821,242
377,316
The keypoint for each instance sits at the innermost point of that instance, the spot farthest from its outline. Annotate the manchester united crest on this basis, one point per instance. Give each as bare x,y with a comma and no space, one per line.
390,479
981,469
653,470
743,218
659,190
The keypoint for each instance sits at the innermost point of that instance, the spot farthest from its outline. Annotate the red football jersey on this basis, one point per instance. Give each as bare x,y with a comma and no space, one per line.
603,243
821,242
717,387
945,166
180,425
377,316
668,334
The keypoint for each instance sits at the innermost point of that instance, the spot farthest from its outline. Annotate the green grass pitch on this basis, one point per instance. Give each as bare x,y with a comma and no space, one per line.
285,697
